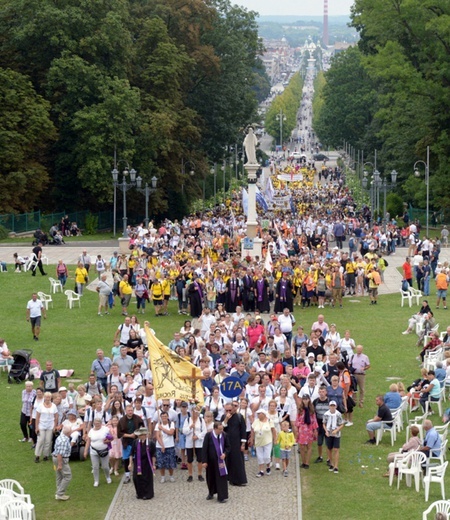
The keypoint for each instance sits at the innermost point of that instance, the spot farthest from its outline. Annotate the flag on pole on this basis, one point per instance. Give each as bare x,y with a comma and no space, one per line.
268,264
245,202
261,200
280,241
173,376
270,192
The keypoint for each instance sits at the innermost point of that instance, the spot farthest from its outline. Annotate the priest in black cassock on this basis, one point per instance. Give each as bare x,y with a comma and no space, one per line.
214,453
283,294
143,454
234,426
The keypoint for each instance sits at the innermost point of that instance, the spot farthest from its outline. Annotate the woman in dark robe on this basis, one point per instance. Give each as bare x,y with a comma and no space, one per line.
143,453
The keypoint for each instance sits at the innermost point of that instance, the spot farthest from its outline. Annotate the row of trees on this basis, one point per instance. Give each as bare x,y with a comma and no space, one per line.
162,82
286,106
391,93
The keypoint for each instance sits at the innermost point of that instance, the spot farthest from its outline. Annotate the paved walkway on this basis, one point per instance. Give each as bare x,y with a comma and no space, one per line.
187,500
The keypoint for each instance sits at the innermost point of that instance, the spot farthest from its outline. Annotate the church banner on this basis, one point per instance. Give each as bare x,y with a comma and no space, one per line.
172,375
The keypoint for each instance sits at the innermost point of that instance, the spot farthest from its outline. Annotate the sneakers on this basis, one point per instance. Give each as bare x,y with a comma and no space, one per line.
190,479
277,466
24,440
268,471
116,473
348,423
201,479
127,479
335,470
405,332
285,473
111,470
172,479
163,479
260,474
319,459
331,468
62,497
108,481
96,484
328,463
370,441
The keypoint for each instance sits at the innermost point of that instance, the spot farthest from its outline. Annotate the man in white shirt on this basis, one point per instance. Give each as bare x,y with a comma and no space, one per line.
206,320
286,322
310,388
240,345
35,309
123,331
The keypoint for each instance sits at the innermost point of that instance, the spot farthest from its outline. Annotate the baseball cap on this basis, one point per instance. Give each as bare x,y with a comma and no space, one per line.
62,389
332,403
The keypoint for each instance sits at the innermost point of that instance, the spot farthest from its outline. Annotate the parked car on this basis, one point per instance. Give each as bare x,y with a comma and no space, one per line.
320,157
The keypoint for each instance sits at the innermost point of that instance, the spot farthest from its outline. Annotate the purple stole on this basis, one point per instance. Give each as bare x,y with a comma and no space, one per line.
199,289
138,457
283,287
233,289
219,444
260,290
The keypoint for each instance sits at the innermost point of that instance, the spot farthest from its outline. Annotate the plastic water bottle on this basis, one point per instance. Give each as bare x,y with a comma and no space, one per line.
253,451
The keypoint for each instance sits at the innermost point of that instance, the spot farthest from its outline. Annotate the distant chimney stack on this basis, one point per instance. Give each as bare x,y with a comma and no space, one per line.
325,23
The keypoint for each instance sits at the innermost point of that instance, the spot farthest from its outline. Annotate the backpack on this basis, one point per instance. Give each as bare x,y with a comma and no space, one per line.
353,383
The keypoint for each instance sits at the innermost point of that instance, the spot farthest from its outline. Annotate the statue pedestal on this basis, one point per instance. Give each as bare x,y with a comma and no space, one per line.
123,245
251,247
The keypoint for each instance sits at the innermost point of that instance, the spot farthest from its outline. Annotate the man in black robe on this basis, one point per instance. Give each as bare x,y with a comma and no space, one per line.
233,294
283,294
248,292
195,294
214,453
235,428
143,454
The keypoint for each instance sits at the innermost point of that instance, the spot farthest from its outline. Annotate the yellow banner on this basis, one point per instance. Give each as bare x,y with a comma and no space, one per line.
172,374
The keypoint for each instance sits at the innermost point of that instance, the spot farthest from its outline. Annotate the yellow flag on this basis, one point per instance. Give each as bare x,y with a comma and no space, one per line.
172,374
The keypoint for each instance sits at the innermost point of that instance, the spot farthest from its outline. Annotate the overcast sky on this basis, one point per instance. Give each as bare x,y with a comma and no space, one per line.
296,7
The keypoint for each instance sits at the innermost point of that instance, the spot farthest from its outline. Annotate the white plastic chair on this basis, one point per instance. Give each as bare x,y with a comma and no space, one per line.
406,295
29,264
44,259
394,465
442,453
440,506
439,402
389,426
435,474
431,358
415,294
411,466
17,510
8,495
416,421
55,285
9,483
45,299
442,430
72,298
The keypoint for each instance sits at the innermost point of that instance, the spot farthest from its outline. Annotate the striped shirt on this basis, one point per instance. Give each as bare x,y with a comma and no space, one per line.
62,447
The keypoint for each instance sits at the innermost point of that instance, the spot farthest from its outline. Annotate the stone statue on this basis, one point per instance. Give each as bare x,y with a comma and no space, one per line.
250,143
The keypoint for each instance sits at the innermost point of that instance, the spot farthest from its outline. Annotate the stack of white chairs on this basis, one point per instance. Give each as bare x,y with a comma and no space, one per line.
14,502
415,295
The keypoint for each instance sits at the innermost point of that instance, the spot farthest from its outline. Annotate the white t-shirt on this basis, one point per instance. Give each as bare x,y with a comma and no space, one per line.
285,323
97,437
47,418
35,308
168,440
199,430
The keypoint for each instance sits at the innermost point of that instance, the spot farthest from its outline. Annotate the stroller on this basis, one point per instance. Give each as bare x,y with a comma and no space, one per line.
20,370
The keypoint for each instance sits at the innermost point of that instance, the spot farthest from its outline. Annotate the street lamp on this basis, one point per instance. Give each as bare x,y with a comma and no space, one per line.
281,117
427,179
387,186
124,186
147,191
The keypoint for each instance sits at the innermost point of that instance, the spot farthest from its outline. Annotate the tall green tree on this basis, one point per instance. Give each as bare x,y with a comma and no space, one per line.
26,132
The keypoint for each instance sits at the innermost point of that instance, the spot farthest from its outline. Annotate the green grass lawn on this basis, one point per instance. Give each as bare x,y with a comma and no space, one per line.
71,337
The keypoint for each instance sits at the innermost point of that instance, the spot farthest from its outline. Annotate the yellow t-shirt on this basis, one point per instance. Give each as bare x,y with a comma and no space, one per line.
80,274
285,440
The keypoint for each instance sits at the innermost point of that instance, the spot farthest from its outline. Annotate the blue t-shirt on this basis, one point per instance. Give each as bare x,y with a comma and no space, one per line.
393,400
